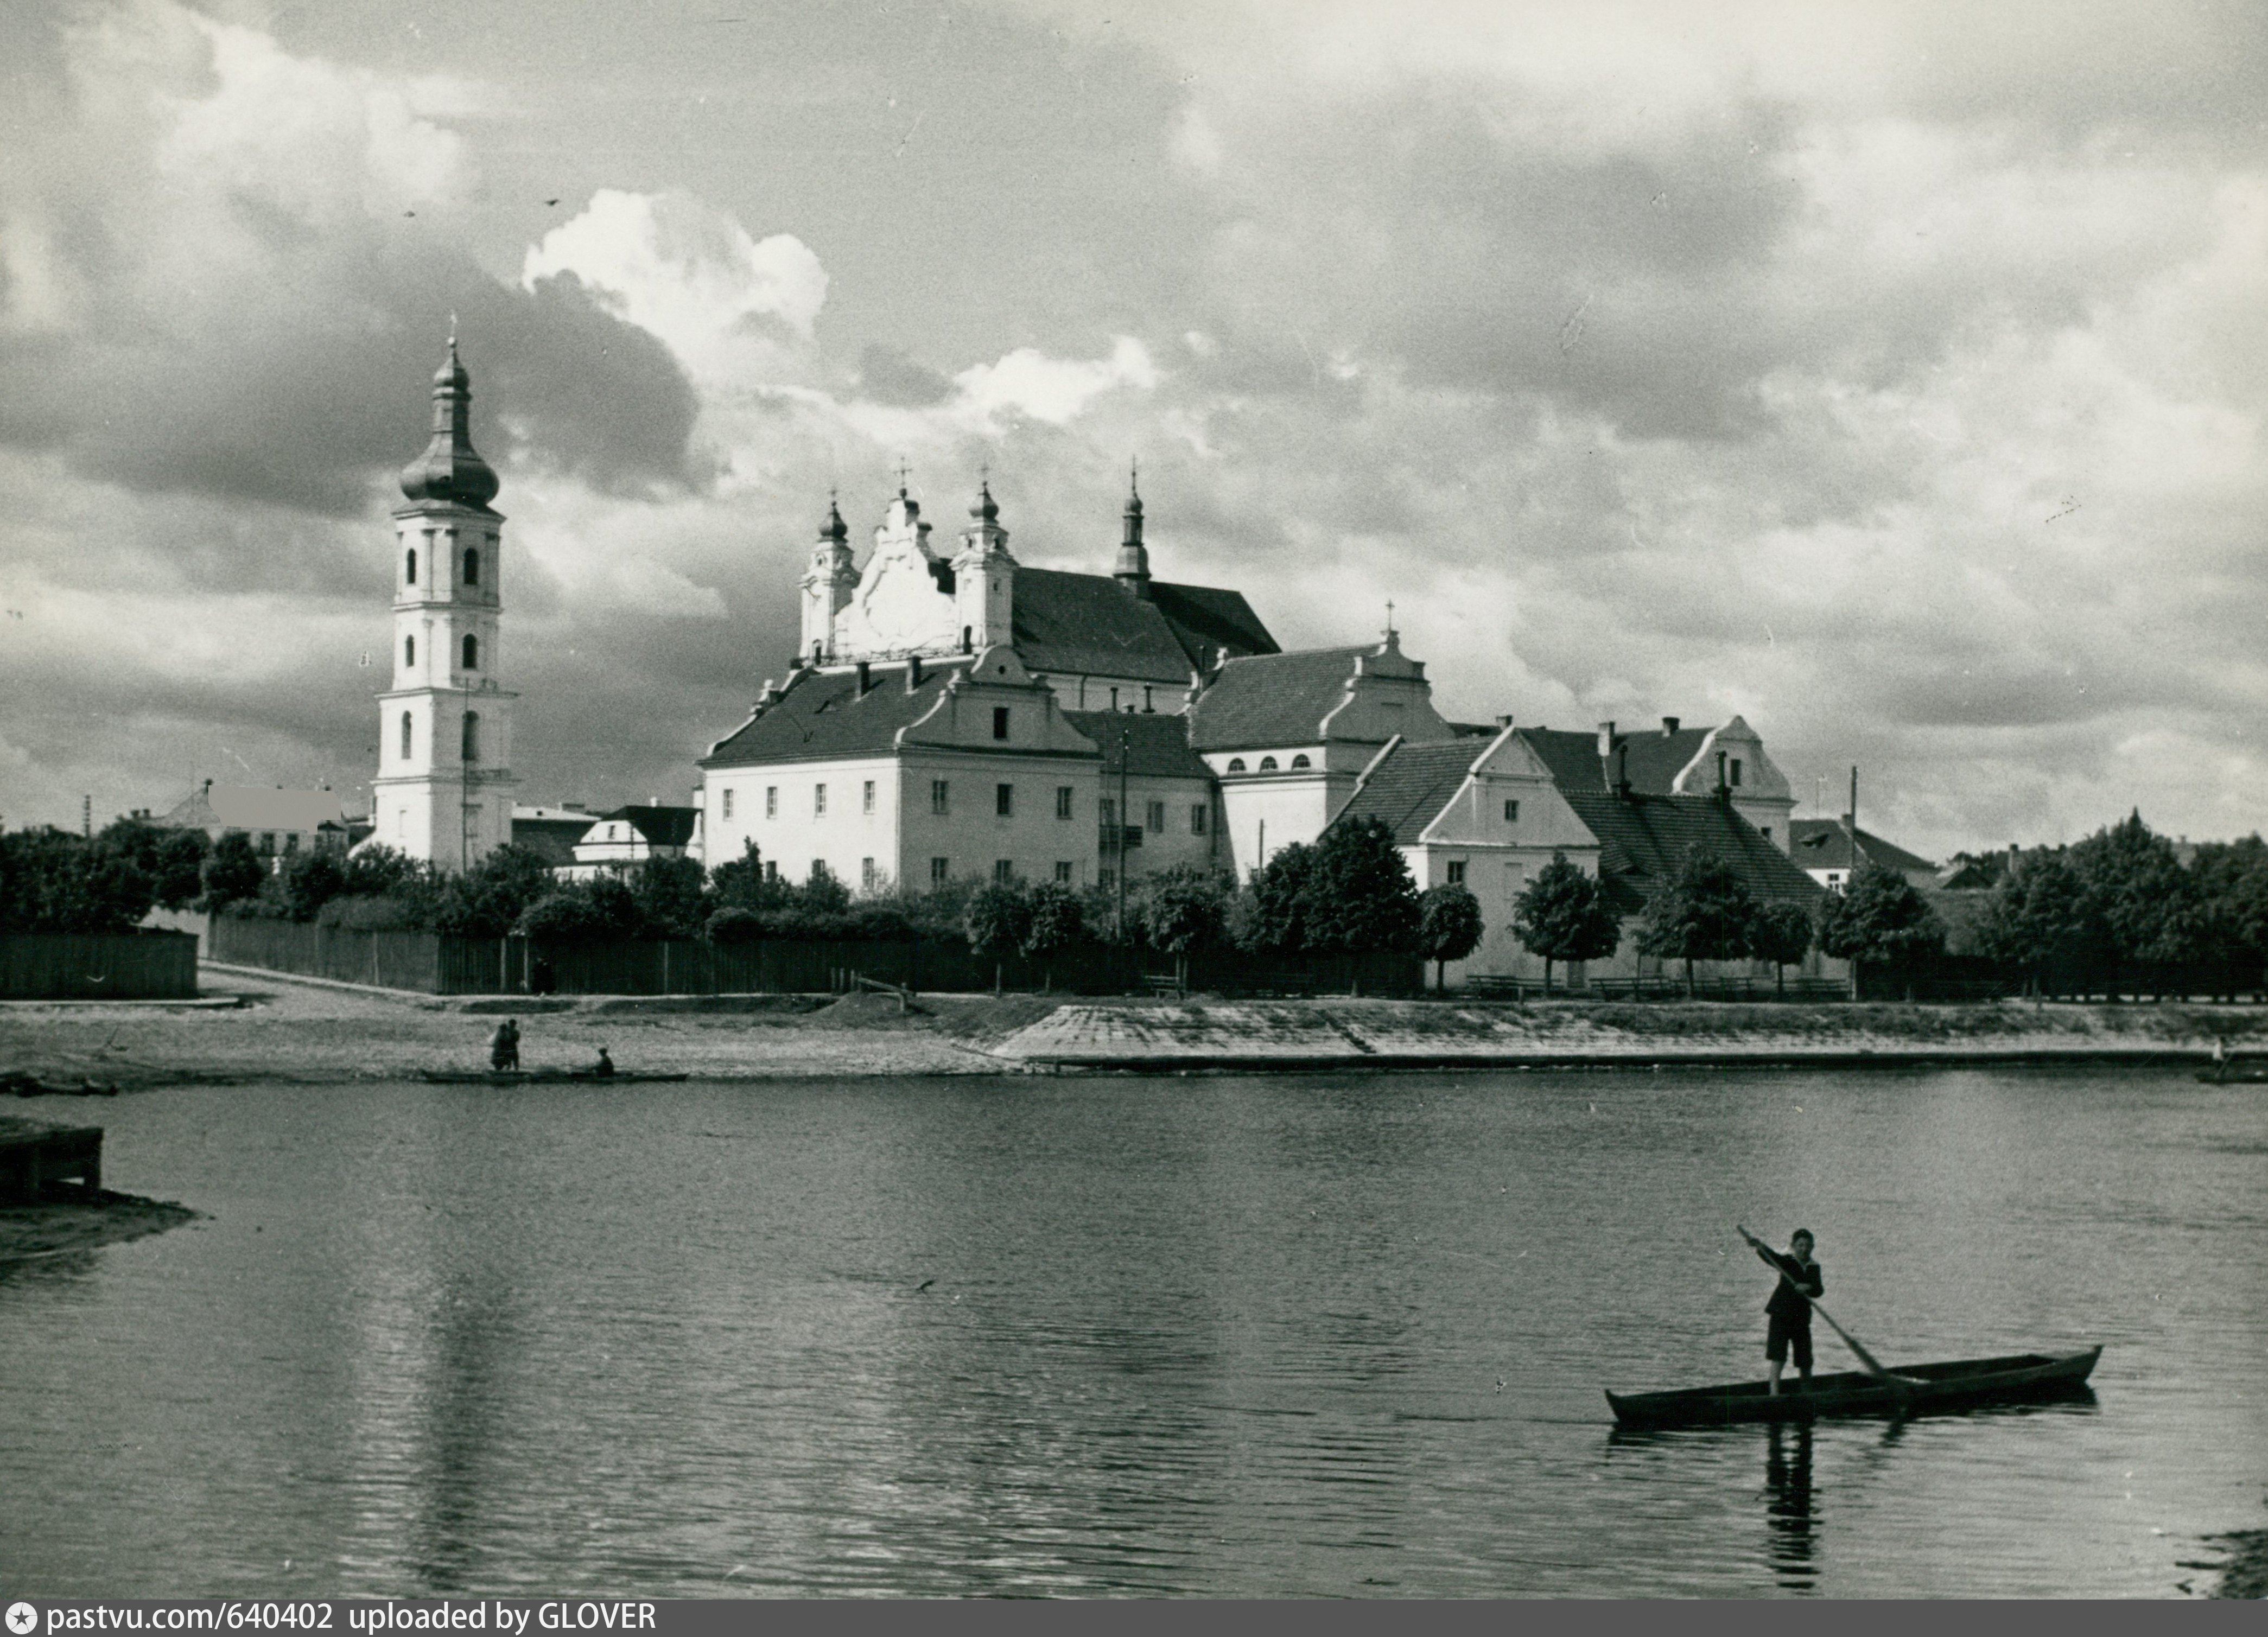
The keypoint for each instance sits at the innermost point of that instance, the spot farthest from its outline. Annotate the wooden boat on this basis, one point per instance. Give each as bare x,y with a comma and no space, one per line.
1957,1384
2234,1075
533,1076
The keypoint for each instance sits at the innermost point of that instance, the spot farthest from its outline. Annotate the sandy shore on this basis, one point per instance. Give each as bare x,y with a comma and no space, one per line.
64,1226
306,1032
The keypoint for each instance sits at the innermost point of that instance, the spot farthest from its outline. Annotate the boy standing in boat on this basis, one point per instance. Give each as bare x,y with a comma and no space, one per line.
1800,1282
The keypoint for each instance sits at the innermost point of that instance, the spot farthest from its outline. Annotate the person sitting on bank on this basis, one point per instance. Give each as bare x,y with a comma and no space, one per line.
605,1064
1789,1310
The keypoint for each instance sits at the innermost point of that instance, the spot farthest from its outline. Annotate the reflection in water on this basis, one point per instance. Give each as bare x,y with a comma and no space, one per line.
1788,1507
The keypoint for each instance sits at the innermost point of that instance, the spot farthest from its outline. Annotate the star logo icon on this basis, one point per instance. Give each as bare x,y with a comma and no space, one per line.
23,1619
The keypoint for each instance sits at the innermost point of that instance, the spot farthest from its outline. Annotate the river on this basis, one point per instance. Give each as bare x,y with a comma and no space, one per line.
1287,1335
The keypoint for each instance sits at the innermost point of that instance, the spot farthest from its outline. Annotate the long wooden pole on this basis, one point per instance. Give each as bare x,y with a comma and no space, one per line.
1901,1384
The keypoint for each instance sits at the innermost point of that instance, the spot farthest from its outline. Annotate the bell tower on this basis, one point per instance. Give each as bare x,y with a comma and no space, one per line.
443,788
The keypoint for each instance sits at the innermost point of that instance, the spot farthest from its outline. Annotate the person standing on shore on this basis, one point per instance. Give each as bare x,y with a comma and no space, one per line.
503,1045
1789,1310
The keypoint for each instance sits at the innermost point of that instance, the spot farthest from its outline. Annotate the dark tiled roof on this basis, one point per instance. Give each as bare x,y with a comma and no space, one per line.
1653,761
1823,844
552,839
1090,624
1272,699
1211,623
1643,839
822,715
1157,745
1411,787
662,826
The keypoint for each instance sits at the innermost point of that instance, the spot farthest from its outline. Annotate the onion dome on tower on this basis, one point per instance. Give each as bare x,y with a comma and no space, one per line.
1133,557
451,470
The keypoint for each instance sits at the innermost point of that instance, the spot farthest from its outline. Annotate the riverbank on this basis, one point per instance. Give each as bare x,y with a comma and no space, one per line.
62,1227
332,1033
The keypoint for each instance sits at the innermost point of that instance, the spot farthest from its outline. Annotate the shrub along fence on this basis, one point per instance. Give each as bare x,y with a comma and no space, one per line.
434,965
141,965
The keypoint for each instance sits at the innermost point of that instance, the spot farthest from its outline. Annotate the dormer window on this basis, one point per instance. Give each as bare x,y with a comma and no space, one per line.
472,652
1300,761
1236,764
472,566
1267,764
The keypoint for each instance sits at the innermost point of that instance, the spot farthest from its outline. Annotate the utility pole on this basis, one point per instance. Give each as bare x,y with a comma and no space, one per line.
1122,731
1851,822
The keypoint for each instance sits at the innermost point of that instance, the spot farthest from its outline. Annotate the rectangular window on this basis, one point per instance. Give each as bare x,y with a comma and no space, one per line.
1004,800
1106,878
1736,770
1063,870
1000,722
728,803
267,841
941,796
819,869
1157,815
1106,813
1198,818
771,870
819,801
865,875
771,801
1512,812
1004,870
941,871
866,798
291,841
1062,801
1456,872
1767,832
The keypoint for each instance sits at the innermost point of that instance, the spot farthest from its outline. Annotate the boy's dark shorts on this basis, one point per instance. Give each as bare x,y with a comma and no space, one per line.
1785,1331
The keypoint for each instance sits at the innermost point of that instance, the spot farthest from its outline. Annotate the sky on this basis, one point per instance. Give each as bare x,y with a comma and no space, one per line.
1891,375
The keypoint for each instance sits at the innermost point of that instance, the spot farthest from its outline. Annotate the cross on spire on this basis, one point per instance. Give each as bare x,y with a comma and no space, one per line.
903,470
1389,616
1134,474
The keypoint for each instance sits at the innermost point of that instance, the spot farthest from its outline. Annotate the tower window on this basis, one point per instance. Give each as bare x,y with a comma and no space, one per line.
409,652
405,736
967,639
472,652
410,567
472,735
1000,722
472,566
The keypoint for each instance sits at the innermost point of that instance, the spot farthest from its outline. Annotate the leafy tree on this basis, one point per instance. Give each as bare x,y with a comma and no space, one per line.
377,871
672,895
996,920
171,858
1781,934
822,894
232,872
1449,925
2149,904
732,924
2232,879
53,881
1358,898
487,900
1879,918
1564,916
740,883
601,910
1705,912
1277,922
1055,921
2043,919
310,881
1183,909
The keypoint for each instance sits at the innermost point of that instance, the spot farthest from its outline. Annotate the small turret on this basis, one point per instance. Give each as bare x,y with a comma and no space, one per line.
451,470
828,585
1133,557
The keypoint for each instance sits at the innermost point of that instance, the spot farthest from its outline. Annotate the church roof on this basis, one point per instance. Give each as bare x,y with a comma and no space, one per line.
1157,744
1089,624
1411,786
1272,699
1643,839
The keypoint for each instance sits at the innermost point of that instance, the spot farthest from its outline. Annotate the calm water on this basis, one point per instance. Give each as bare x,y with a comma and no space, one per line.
1286,1335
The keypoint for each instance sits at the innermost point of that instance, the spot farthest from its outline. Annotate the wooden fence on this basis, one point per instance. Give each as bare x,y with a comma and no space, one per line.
143,965
435,965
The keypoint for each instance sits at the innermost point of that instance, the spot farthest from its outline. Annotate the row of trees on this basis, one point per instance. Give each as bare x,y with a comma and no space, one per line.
53,881
1704,912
